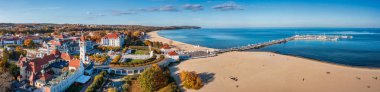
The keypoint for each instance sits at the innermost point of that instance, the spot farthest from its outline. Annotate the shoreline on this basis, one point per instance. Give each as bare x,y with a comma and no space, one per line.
263,71
321,61
154,36
271,72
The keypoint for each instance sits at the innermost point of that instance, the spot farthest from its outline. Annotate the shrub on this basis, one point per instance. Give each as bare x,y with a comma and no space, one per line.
190,80
125,49
116,59
99,58
98,81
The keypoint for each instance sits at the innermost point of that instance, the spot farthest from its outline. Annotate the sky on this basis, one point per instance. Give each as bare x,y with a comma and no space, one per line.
204,13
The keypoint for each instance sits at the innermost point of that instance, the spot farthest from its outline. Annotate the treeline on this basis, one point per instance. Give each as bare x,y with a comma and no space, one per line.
48,28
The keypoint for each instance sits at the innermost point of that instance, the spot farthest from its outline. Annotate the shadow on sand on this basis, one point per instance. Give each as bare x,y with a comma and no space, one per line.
207,77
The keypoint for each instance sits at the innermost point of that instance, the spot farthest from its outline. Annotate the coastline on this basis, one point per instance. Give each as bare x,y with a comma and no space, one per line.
273,72
154,36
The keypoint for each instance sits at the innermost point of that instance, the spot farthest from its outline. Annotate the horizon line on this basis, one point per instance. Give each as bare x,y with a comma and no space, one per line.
197,26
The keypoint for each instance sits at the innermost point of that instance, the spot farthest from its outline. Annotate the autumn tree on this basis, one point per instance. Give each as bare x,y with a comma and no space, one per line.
152,79
190,80
112,89
148,43
136,34
4,60
116,59
28,43
18,52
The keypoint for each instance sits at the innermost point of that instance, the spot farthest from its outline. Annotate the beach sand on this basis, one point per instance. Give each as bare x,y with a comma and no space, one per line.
153,36
271,72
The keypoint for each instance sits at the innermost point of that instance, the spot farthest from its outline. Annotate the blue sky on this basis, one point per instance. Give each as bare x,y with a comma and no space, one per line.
204,13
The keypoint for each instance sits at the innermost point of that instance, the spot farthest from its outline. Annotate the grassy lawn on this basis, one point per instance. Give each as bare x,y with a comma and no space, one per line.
141,52
137,60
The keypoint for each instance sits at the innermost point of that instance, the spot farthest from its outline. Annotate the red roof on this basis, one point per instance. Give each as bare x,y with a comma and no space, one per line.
36,64
112,36
166,47
66,56
74,63
172,53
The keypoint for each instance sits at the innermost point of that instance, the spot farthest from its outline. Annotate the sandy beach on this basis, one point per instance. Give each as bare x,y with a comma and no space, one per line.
153,36
271,72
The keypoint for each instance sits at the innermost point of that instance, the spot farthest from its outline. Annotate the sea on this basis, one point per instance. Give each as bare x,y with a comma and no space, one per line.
363,50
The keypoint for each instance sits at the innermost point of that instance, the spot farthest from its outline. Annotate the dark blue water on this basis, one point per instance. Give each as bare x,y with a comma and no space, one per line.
363,50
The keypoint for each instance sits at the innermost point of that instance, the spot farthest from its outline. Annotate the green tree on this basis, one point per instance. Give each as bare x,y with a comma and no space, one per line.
13,69
152,79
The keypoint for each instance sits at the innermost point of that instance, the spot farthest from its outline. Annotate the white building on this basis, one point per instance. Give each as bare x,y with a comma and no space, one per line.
54,72
113,39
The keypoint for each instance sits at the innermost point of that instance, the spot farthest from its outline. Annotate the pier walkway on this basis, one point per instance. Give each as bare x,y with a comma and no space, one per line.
284,40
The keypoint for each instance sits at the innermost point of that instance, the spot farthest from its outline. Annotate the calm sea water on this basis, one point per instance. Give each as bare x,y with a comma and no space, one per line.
362,50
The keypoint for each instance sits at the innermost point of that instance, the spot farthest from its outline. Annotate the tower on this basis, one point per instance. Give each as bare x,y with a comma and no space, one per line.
82,49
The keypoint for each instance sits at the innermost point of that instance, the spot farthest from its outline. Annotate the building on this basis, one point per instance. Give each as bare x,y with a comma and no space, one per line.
11,40
113,39
35,39
53,72
64,44
165,49
173,55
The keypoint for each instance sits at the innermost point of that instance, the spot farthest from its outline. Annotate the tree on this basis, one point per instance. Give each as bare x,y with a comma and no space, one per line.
136,34
112,89
28,43
13,69
152,79
116,59
5,55
4,60
18,52
148,43
98,81
190,80
6,81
